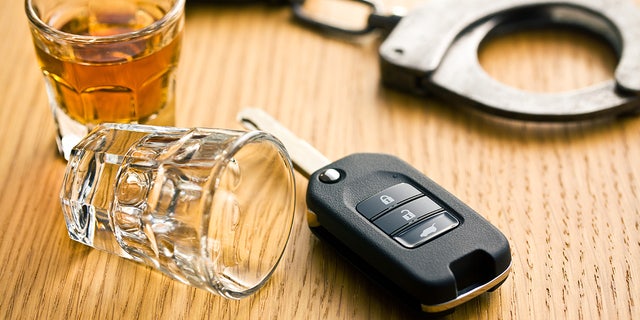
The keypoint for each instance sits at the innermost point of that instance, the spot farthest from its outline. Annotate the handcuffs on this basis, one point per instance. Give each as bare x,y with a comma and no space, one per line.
433,50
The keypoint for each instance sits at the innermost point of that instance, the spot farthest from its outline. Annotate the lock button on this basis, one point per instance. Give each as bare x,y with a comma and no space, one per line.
386,199
406,214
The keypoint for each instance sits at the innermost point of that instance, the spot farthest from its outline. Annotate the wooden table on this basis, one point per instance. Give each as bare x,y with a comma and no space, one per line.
567,196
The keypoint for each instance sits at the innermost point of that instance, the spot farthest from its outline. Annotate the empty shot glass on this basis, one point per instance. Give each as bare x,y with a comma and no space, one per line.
107,61
212,208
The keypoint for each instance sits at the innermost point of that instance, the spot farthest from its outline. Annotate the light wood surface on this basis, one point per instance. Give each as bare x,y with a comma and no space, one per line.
567,196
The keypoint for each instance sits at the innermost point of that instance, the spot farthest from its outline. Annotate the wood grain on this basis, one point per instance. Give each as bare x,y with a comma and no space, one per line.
567,196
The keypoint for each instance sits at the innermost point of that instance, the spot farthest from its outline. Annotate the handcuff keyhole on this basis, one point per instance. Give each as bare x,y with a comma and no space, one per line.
548,60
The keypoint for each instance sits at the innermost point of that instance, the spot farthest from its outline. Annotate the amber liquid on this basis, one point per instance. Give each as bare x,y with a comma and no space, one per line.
124,81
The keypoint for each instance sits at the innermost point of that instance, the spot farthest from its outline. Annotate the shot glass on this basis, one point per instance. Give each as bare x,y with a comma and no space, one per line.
107,61
212,208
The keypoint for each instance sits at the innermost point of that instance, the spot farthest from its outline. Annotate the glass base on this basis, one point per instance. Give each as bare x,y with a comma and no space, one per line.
70,132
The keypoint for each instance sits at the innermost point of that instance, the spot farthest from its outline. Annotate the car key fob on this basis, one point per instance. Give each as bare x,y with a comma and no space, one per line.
407,230
396,225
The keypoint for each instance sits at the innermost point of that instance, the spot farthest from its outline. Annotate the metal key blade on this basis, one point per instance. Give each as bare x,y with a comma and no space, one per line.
306,159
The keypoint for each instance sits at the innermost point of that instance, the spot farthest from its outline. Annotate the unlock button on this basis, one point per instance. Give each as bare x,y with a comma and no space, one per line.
406,214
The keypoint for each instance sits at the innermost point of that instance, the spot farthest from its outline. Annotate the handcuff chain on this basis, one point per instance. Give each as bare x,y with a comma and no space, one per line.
375,20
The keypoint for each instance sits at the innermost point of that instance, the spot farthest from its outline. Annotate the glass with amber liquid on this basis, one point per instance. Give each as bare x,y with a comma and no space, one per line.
107,61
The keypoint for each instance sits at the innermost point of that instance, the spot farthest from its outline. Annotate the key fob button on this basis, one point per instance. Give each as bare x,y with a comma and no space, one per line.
330,176
386,199
427,230
404,215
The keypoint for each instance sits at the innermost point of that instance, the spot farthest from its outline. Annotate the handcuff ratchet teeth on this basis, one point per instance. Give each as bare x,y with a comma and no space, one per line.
434,49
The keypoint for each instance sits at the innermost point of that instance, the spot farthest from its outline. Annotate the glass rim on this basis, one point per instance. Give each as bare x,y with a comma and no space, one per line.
172,15
248,137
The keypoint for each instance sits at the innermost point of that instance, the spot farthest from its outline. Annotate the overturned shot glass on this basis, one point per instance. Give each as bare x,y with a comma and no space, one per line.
212,208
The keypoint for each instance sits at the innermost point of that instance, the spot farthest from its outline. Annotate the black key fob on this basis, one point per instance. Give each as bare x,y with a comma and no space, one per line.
406,232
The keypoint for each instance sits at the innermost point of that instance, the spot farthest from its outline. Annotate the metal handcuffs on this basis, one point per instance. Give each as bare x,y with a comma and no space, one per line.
434,49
